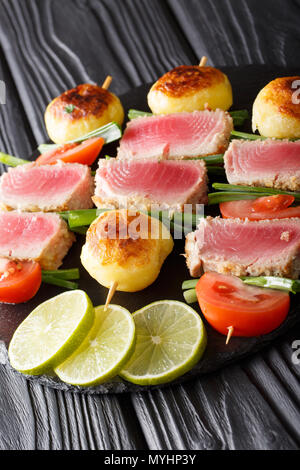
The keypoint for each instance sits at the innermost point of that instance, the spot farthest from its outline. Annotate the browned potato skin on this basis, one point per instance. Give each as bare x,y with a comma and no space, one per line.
93,107
113,253
274,113
190,88
87,99
119,246
280,93
185,80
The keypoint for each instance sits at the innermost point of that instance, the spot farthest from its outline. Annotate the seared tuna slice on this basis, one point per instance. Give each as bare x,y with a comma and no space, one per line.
169,184
34,236
47,187
232,246
179,135
270,163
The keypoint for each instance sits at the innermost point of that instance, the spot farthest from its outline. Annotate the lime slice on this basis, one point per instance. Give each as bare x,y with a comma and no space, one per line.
171,339
51,332
105,350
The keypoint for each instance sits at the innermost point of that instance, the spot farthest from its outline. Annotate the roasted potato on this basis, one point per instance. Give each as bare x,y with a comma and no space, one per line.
190,88
276,109
127,249
81,110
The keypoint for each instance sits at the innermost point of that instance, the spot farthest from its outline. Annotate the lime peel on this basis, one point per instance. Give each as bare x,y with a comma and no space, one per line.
106,349
182,342
51,332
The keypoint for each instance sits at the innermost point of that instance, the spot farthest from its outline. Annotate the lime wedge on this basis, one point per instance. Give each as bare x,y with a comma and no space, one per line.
171,339
105,350
51,332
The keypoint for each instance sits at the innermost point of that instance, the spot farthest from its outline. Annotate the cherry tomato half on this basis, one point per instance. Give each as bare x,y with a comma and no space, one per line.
269,207
85,153
252,311
19,280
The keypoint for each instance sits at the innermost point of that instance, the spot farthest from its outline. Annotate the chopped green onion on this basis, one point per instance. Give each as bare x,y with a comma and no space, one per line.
10,160
239,117
240,113
135,113
226,196
272,282
110,132
57,281
69,108
238,121
211,159
42,148
190,296
268,282
189,284
254,189
72,273
246,135
81,217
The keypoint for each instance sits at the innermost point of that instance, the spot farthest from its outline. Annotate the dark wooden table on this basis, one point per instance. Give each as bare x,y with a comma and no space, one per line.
51,45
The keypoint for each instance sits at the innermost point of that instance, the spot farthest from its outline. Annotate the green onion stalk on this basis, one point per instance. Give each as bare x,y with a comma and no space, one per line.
80,220
211,159
231,192
217,198
10,160
245,135
110,132
272,282
61,277
269,282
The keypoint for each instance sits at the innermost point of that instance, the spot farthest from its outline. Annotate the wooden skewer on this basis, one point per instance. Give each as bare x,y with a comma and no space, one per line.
107,82
203,61
110,294
230,333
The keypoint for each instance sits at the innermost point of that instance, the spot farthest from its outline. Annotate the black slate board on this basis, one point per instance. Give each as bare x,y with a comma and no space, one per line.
246,82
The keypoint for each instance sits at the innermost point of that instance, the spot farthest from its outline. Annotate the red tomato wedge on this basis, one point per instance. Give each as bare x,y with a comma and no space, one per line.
252,311
272,203
85,153
269,207
19,281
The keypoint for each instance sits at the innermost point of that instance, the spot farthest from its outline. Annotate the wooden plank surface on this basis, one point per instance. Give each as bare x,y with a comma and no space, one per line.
240,33
48,46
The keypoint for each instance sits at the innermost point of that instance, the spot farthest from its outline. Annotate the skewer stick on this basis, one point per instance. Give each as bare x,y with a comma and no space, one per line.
110,294
203,61
107,82
230,333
